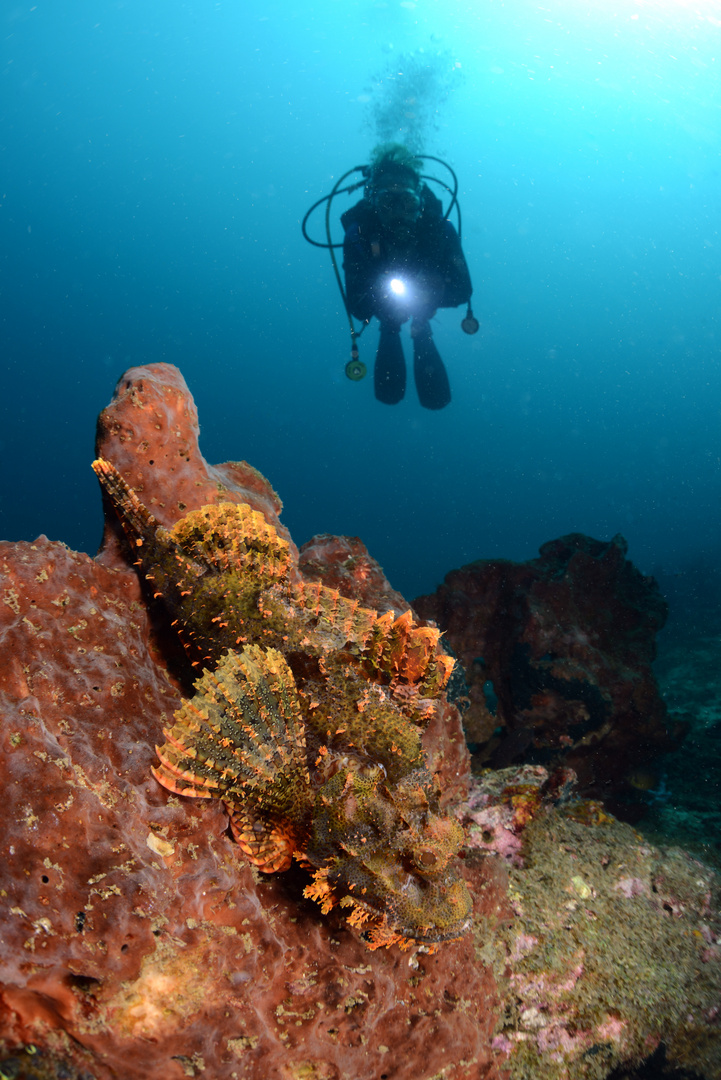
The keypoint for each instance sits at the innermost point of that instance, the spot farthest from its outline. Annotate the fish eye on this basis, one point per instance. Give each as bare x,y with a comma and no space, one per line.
426,858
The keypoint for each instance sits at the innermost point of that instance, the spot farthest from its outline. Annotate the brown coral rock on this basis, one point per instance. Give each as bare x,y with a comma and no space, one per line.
343,563
150,433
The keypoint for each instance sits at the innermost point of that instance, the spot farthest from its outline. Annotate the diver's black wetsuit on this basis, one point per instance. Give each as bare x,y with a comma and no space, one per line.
431,262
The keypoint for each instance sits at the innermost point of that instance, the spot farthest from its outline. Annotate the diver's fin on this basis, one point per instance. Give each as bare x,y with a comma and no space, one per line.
389,377
434,391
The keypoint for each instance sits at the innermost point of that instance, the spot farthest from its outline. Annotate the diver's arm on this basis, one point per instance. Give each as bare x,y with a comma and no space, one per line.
360,272
443,274
456,279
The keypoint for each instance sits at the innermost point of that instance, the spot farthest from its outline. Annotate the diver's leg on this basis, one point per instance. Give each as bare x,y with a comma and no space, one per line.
389,376
434,391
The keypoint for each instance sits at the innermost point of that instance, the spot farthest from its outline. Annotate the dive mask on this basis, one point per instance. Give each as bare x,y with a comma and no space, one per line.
397,203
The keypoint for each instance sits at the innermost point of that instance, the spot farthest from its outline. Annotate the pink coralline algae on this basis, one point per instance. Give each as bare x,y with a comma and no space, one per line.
503,802
631,887
596,953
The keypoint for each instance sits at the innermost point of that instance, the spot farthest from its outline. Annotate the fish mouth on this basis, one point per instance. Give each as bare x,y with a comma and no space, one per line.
439,925
435,936
429,912
446,919
393,932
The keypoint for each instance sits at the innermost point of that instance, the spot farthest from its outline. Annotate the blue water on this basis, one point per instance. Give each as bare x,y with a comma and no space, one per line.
158,158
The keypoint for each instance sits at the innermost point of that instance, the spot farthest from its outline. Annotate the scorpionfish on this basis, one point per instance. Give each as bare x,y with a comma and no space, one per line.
306,721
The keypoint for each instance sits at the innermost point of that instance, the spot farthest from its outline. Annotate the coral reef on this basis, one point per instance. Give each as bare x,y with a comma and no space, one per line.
130,920
136,938
612,957
557,655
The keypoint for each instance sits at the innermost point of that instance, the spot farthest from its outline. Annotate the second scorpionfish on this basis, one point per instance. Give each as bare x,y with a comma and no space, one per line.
306,721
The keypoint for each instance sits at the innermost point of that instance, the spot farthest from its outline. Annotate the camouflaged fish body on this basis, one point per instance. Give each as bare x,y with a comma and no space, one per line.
306,721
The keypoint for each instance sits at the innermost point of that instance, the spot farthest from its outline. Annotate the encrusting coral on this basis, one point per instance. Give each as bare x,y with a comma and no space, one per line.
306,722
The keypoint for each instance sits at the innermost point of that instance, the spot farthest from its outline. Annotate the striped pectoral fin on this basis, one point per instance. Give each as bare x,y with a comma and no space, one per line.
179,786
269,845
184,775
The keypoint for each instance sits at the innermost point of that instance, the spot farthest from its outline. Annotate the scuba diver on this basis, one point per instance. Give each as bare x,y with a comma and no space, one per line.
402,260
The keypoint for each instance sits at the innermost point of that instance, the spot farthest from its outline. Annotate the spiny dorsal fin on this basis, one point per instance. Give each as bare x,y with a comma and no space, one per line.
136,519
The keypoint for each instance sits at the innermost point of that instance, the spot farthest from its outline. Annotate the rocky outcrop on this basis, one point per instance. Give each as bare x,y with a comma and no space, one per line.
557,656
